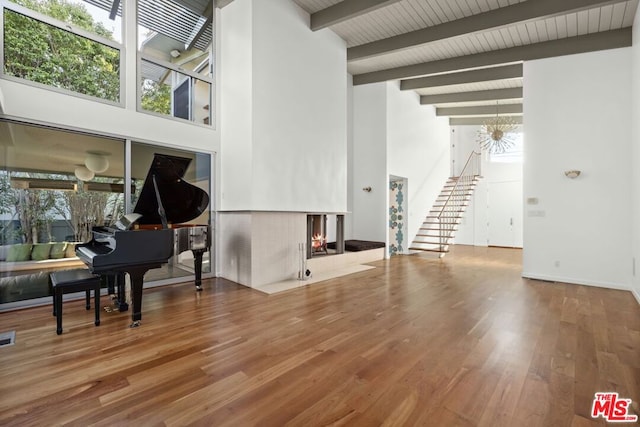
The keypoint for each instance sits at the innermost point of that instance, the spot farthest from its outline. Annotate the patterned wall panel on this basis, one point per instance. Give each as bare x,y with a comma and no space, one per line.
396,217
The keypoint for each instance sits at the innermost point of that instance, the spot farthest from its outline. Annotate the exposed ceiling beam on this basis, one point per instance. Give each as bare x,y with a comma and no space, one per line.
344,10
580,44
519,12
478,121
481,75
481,95
114,9
480,110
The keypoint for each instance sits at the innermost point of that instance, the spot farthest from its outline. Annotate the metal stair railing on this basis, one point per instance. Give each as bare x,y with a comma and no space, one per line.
448,216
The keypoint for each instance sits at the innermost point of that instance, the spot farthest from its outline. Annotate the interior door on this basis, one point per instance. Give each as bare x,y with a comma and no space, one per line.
504,200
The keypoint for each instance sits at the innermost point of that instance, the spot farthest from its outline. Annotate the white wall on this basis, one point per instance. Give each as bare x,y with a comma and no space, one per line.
394,135
578,116
417,149
284,100
635,158
474,227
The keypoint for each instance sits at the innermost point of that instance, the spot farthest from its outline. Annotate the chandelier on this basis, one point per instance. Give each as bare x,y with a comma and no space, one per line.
496,134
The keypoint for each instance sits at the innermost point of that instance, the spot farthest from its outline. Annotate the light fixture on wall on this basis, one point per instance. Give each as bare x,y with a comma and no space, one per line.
175,53
496,134
367,189
96,162
572,173
83,174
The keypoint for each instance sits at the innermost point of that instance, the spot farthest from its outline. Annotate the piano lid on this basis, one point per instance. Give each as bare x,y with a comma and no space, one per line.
182,201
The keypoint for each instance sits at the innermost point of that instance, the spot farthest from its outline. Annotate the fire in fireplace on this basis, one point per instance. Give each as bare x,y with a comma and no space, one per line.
319,235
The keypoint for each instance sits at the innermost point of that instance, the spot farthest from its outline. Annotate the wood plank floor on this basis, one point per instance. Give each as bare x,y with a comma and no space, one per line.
462,341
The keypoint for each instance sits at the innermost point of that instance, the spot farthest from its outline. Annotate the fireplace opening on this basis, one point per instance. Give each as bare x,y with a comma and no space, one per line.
325,234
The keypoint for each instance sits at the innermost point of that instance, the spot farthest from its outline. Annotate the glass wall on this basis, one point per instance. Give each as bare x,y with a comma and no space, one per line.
54,187
183,177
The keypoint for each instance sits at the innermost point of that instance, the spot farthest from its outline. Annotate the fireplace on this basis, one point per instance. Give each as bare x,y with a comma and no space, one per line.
323,237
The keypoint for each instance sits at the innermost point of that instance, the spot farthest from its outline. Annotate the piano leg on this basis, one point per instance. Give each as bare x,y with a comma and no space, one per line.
197,266
137,281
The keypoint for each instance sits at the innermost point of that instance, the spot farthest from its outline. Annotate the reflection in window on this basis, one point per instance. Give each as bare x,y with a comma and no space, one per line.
175,46
81,57
170,92
54,187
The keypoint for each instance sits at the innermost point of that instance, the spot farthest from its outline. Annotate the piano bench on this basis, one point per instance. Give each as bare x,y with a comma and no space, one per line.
66,281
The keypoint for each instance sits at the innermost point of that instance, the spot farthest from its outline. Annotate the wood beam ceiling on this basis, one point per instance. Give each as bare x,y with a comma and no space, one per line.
481,95
346,9
509,15
478,121
481,75
483,110
580,44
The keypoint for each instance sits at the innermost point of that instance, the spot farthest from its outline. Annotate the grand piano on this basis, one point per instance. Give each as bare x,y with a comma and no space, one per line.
148,237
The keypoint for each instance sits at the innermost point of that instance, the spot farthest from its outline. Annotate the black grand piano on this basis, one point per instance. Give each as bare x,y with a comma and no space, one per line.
147,238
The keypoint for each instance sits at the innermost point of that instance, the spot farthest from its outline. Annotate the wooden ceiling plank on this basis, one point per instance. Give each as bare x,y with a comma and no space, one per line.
481,95
581,44
519,12
345,10
482,75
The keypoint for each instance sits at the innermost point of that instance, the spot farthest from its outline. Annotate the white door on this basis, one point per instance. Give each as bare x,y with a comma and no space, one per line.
504,200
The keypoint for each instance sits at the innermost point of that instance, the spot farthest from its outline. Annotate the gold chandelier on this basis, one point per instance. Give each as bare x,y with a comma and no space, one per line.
496,134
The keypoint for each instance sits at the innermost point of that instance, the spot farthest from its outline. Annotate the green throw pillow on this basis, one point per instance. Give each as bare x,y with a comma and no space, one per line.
40,251
58,250
19,252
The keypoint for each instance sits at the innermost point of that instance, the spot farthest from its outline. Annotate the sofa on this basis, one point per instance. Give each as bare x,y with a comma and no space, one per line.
25,268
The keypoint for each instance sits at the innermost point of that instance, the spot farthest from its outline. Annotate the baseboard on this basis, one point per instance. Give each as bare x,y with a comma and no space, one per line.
571,280
636,293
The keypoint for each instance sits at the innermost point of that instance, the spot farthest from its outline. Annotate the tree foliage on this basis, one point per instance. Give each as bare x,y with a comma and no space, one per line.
156,97
45,54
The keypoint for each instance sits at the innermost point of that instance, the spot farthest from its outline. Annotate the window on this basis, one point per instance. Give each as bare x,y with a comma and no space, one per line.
64,45
513,154
175,49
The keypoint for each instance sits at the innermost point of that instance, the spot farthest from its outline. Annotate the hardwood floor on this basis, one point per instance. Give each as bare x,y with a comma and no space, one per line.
461,341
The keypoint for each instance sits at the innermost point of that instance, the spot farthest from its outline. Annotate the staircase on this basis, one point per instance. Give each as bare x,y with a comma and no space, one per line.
441,223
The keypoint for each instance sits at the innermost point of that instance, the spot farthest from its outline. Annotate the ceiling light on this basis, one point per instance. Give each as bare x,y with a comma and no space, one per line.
83,174
96,162
495,135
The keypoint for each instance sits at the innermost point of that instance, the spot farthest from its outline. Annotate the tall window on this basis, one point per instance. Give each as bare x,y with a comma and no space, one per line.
54,187
175,50
70,45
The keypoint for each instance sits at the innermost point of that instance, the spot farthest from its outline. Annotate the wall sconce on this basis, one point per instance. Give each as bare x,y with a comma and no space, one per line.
572,173
367,189
175,53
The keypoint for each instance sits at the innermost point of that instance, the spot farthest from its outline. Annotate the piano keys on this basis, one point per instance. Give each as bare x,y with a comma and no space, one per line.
144,240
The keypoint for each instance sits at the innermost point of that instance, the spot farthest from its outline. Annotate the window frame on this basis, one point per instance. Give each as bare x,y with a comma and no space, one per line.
73,29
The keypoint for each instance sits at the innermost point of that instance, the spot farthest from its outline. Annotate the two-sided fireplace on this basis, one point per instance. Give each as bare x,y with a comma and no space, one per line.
322,238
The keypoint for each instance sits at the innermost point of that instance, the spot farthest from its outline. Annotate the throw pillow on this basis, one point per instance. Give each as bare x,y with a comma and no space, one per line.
40,251
19,252
70,252
58,250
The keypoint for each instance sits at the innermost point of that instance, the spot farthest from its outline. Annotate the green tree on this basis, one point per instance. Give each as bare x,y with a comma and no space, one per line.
156,97
49,55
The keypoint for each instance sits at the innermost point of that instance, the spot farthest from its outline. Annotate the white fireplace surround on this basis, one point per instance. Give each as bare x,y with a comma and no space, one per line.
258,248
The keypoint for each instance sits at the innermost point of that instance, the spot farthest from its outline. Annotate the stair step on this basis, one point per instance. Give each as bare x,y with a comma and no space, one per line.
430,250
